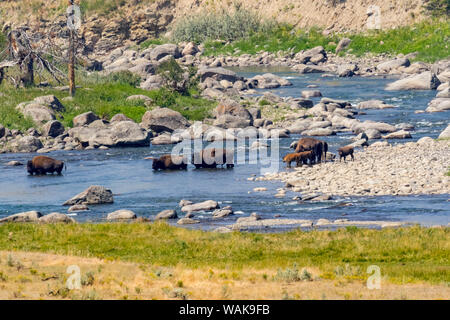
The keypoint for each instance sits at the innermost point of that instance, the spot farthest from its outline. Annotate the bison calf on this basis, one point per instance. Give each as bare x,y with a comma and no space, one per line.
41,165
345,151
299,157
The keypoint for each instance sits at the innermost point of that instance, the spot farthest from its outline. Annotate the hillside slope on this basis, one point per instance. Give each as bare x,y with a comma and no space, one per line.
111,23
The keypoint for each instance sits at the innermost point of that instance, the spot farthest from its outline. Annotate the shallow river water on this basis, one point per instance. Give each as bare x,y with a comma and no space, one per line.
138,188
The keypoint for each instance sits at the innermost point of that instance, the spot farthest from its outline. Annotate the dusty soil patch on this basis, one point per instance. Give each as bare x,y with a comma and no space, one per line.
25,275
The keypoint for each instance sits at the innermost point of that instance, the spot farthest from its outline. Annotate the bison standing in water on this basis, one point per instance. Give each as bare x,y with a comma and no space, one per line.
211,158
319,147
41,165
169,162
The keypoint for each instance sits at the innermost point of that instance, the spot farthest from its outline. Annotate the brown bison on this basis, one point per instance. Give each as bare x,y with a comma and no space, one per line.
41,165
301,157
345,151
319,147
211,158
169,162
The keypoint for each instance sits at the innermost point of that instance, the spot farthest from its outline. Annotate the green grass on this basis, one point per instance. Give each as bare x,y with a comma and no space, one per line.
430,39
105,98
281,38
403,255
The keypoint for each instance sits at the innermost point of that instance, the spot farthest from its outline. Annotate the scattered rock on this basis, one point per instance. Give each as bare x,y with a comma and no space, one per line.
402,134
84,119
221,213
29,216
187,221
121,215
422,81
166,214
56,217
14,163
53,129
92,195
201,206
78,208
164,119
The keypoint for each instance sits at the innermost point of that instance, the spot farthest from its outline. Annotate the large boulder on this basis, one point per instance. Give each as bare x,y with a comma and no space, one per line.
423,81
393,64
26,144
29,216
84,119
128,134
315,55
343,44
380,126
319,132
190,49
164,139
269,81
121,215
152,82
233,108
38,113
218,74
56,217
116,134
166,214
228,121
164,119
444,93
92,195
438,105
402,134
201,206
50,101
373,104
446,133
163,50
303,69
311,94
53,129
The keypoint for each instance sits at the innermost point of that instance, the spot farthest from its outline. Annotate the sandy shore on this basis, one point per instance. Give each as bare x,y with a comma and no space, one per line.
404,169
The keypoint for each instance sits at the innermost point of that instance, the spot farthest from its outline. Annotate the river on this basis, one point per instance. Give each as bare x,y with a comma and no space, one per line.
138,188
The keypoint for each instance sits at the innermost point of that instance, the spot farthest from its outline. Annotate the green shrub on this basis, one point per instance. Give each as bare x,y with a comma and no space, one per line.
125,77
229,26
174,76
437,8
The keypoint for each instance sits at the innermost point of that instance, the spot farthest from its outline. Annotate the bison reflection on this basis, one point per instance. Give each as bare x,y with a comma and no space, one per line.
213,157
41,165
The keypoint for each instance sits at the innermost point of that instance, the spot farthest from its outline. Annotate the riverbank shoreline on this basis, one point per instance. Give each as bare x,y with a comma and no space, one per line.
381,169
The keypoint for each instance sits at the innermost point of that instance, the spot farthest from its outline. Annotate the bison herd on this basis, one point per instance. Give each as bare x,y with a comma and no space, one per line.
307,151
310,151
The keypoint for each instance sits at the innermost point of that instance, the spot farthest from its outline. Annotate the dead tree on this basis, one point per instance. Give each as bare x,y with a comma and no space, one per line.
29,56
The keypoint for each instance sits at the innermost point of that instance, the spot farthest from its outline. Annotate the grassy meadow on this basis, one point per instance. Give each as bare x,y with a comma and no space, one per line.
405,255
429,39
105,96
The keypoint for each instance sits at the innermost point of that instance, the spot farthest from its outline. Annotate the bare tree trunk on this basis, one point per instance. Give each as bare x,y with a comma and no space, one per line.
27,78
71,58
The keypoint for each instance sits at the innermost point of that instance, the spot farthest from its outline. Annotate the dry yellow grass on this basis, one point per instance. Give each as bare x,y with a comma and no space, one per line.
27,275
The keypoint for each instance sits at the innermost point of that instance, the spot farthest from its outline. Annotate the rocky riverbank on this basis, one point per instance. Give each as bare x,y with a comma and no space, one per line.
381,169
